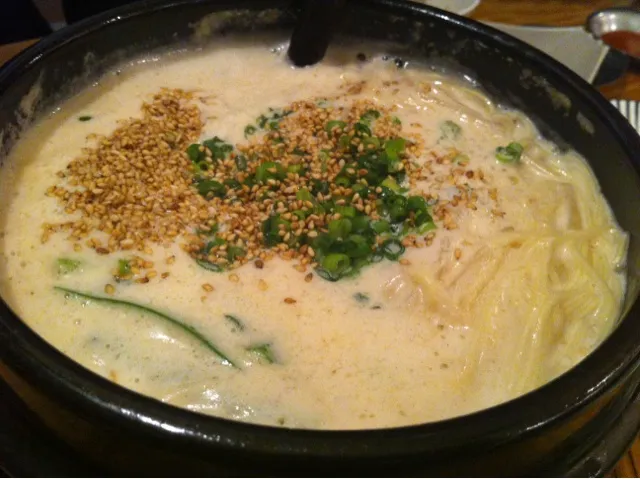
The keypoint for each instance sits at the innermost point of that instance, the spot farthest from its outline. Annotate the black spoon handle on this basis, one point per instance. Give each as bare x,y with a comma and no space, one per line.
313,31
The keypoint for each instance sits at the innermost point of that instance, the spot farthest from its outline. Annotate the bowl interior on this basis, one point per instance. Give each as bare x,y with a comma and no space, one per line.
565,108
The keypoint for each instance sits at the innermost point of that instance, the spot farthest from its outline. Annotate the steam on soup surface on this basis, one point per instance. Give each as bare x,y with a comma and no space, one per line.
346,246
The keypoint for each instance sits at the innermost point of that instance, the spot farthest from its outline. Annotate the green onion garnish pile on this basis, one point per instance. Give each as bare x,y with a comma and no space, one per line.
320,184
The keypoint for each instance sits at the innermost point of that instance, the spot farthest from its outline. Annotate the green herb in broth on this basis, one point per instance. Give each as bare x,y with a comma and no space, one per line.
184,327
249,130
361,297
124,268
234,321
264,352
67,265
450,130
84,118
510,153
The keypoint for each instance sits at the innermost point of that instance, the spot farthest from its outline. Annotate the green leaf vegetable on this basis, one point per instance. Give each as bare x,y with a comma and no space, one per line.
184,327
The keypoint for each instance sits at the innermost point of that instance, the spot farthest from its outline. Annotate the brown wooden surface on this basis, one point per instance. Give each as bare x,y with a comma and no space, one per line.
527,12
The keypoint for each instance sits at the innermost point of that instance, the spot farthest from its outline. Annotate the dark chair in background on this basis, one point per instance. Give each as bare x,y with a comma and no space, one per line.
75,10
21,20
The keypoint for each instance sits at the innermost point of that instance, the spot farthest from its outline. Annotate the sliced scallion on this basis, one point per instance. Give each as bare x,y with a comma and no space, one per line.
392,249
234,321
510,153
333,125
264,352
67,265
450,130
187,328
336,263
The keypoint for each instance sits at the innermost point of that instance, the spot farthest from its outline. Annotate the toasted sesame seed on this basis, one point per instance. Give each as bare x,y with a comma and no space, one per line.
290,300
109,289
207,287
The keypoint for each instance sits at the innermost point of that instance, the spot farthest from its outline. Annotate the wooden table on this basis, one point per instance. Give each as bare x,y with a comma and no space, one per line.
527,12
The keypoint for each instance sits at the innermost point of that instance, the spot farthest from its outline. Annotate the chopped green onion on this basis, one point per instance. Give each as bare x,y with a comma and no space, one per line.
187,328
362,129
262,121
394,147
416,203
360,223
380,226
249,130
66,265
124,267
324,158
357,246
427,226
263,172
371,141
344,141
271,229
234,321
336,263
218,148
301,214
461,158
320,187
241,162
216,268
361,189
391,183
334,124
361,297
194,153
346,211
450,130
369,116
232,183
339,228
264,352
235,252
392,249
217,241
211,186
304,195
510,153
85,118
342,181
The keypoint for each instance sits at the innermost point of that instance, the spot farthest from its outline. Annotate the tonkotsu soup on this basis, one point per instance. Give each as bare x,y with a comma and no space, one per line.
352,245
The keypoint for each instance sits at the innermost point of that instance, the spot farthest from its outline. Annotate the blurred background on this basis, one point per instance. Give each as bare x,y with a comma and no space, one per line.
26,19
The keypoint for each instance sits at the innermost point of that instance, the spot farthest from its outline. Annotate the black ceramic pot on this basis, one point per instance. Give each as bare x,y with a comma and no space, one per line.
558,429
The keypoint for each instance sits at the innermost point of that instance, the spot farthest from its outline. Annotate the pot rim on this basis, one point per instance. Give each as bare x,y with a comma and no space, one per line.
89,393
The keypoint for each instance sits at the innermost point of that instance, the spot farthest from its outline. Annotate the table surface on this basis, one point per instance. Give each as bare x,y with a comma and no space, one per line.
522,12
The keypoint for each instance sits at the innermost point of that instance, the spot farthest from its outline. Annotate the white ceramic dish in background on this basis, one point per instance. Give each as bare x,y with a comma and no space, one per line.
572,46
461,7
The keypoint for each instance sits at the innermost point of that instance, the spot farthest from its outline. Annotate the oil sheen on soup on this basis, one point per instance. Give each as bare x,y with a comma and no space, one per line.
352,245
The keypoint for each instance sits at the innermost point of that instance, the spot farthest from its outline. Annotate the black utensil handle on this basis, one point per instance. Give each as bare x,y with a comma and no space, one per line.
313,31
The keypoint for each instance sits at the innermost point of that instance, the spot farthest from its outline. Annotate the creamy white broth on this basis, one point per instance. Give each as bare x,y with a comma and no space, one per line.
489,310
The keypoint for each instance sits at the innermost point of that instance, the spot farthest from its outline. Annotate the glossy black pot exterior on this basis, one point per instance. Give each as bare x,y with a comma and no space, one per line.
551,431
